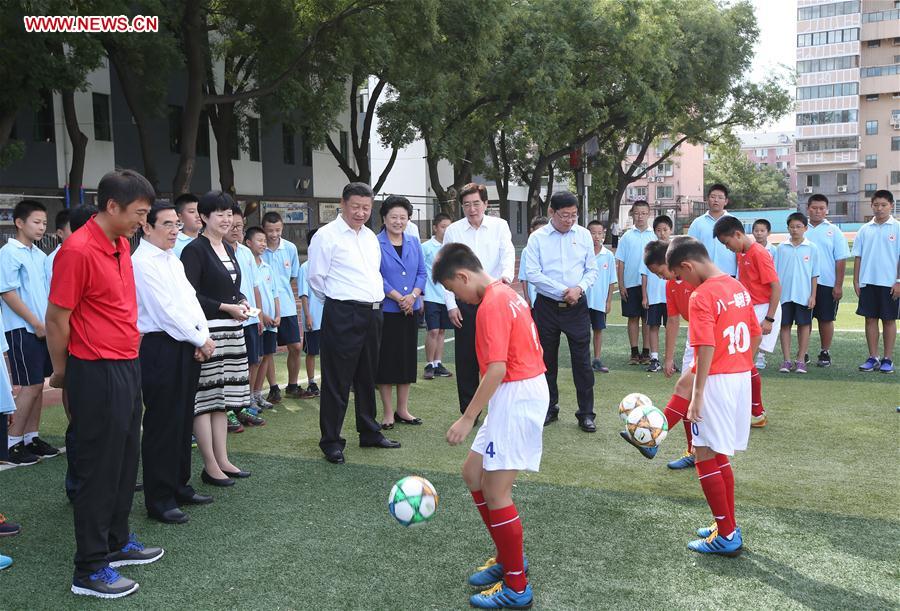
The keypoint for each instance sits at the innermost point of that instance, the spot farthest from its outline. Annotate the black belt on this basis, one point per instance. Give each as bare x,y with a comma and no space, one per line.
561,304
157,334
369,305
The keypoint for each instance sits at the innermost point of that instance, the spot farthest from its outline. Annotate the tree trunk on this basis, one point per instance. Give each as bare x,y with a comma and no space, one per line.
194,39
7,121
550,169
78,139
387,170
222,118
501,172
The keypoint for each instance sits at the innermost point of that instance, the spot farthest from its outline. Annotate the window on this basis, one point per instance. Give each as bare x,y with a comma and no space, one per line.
895,177
307,150
895,143
761,165
782,165
287,144
43,119
635,193
761,152
827,38
839,208
203,135
873,44
870,189
781,151
828,116
872,97
871,161
175,129
663,145
827,91
666,168
812,180
841,179
828,144
665,192
102,129
634,149
828,10
871,128
879,71
827,64
881,16
253,137
345,145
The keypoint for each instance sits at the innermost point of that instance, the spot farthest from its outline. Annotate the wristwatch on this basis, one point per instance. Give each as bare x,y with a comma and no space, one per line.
770,319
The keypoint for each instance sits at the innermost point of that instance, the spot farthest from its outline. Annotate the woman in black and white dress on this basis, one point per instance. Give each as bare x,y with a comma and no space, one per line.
211,267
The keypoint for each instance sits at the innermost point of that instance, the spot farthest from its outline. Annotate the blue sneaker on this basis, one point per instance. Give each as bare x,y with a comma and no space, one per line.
5,561
490,573
647,452
502,597
706,531
105,583
870,364
715,544
134,552
887,366
685,462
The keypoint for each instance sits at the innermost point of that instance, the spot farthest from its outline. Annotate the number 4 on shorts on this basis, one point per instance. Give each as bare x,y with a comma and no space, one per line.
489,450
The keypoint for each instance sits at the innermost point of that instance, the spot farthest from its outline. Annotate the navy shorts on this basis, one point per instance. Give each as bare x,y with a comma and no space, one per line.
311,342
657,315
794,313
254,344
634,306
269,342
29,359
598,319
436,316
826,307
874,302
288,331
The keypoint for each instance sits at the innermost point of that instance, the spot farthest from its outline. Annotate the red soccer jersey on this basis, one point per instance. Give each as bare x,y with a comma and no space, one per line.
505,333
756,271
722,316
678,294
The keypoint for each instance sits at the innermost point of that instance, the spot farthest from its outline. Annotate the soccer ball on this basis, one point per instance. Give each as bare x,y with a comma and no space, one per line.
413,500
647,426
632,401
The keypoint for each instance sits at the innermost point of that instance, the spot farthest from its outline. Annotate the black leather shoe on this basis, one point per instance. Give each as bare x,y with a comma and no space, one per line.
221,483
172,516
587,425
552,416
195,499
384,442
336,457
237,474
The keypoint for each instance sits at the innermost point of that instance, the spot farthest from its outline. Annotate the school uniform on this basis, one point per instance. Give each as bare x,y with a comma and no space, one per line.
657,314
267,294
878,247
771,249
48,264
631,253
598,293
285,264
832,247
181,240
312,337
796,267
249,281
436,316
702,229
7,403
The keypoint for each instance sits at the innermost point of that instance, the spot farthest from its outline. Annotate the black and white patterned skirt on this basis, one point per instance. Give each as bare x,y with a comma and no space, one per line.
224,378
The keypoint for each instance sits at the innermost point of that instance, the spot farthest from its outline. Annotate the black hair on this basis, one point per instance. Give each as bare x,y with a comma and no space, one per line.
309,236
538,221
81,215
62,219
727,226
235,209
765,223
360,189
595,223
641,202
663,219
252,231
817,197
155,209
183,200
394,201
718,187
26,208
655,253
271,217
797,216
452,258
883,194
124,187
439,218
214,201
685,248
563,199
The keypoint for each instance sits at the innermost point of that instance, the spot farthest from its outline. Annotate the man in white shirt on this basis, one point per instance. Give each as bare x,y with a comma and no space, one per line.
175,340
344,271
490,239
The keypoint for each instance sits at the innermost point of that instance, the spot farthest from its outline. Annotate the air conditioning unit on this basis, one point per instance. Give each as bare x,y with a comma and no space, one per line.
807,189
660,179
842,189
895,123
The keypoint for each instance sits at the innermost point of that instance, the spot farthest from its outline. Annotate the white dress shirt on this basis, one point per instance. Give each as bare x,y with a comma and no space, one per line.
167,302
345,264
492,244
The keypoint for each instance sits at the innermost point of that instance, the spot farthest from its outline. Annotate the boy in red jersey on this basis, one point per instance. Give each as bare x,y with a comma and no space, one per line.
725,334
514,388
756,271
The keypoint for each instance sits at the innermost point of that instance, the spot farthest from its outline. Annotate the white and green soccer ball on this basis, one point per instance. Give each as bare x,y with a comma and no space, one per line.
647,425
413,500
632,401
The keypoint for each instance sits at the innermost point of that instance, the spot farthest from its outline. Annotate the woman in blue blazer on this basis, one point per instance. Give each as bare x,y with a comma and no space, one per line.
403,271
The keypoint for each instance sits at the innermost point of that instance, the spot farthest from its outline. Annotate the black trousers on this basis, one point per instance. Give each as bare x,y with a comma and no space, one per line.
575,322
169,377
465,358
105,403
351,335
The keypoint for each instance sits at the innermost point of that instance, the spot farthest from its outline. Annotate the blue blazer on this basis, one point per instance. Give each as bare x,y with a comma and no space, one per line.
402,275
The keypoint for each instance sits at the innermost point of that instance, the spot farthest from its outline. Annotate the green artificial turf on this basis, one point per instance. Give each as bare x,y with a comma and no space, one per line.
816,497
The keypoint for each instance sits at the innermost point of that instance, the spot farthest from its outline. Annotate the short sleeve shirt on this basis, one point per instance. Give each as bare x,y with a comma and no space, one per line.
656,286
285,265
23,269
722,316
433,292
316,307
678,294
878,246
702,229
249,281
505,333
598,292
756,271
796,267
832,247
631,253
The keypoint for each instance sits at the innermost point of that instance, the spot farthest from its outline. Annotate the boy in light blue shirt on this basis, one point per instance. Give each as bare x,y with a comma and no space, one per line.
876,279
653,294
599,294
189,217
529,289
797,265
761,230
25,291
437,319
629,259
702,229
267,301
312,318
63,231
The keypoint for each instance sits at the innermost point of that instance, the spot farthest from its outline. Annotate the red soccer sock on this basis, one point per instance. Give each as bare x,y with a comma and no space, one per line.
714,489
756,406
482,507
675,412
688,434
506,528
728,479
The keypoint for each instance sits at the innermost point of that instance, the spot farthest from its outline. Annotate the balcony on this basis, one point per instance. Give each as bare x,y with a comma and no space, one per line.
827,158
887,83
880,25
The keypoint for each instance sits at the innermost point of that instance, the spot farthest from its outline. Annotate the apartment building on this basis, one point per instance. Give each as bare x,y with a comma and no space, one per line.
772,149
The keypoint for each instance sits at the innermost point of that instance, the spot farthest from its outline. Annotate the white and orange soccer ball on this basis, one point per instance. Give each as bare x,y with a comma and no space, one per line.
647,426
632,401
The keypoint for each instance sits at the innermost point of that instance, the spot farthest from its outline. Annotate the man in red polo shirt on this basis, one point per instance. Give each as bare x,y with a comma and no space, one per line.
93,339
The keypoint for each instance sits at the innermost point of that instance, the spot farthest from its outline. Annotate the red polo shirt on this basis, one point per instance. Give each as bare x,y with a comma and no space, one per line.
94,279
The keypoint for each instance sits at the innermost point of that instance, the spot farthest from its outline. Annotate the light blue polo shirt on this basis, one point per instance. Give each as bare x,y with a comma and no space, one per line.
315,305
523,276
878,246
656,286
606,276
433,292
22,269
796,267
771,249
265,282
702,229
631,253
7,403
181,240
285,265
247,263
48,263
832,248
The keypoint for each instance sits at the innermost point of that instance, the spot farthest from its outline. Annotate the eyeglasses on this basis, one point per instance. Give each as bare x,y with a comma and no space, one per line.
173,225
572,216
471,205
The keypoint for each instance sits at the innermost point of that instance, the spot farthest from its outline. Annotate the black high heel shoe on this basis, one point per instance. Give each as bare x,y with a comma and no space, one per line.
239,474
209,479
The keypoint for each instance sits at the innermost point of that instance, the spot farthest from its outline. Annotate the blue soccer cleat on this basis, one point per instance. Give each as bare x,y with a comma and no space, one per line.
716,544
490,573
647,452
706,531
5,561
685,462
503,597
871,364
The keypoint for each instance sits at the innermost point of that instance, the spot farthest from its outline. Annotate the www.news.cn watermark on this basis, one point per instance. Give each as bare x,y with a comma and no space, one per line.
91,23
